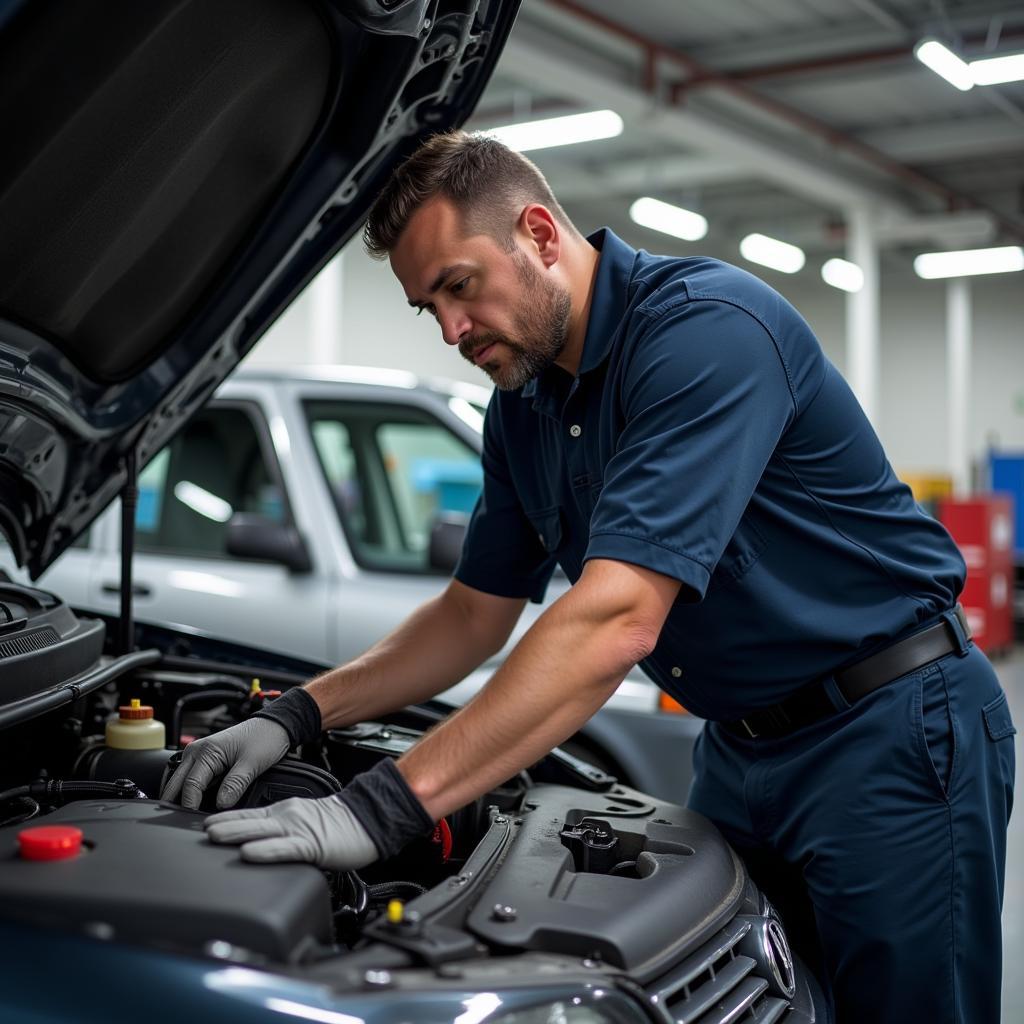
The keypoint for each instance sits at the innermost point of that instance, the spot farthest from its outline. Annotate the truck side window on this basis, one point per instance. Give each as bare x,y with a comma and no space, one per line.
189,491
393,471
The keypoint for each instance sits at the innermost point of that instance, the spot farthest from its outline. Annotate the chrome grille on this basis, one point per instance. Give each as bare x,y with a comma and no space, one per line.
717,985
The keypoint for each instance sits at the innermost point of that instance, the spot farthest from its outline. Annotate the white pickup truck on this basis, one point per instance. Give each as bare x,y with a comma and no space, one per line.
309,511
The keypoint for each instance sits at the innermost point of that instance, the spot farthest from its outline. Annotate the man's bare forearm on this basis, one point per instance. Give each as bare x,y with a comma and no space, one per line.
558,675
444,640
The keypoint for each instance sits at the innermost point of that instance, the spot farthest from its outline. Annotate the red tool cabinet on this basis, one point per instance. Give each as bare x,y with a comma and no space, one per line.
983,530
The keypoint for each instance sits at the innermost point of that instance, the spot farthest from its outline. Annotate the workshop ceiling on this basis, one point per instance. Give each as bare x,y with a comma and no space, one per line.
777,116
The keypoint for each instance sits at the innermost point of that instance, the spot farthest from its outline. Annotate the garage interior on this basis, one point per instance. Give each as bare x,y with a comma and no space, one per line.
811,122
865,158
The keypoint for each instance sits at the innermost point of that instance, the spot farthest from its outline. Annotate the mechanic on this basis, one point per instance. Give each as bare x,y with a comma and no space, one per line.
669,431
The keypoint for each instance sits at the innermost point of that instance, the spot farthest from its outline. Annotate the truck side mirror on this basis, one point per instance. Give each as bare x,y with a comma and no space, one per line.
256,537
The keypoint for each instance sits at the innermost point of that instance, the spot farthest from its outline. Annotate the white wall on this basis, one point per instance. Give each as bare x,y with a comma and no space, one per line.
377,328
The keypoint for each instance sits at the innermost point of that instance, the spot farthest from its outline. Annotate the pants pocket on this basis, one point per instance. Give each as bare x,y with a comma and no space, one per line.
937,730
999,729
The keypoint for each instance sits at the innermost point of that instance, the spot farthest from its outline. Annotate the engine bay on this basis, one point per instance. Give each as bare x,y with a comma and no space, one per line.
558,860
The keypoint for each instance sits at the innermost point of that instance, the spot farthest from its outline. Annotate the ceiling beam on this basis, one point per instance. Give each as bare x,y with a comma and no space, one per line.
937,141
638,177
532,56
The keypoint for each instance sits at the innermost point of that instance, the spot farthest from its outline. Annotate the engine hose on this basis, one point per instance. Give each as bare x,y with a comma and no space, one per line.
211,697
353,895
55,790
17,819
393,890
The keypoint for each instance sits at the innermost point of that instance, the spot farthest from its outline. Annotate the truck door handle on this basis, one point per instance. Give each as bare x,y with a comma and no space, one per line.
138,589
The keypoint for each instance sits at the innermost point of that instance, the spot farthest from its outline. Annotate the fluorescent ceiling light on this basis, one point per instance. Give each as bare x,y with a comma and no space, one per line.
559,131
770,252
202,501
842,274
968,262
996,70
945,63
669,219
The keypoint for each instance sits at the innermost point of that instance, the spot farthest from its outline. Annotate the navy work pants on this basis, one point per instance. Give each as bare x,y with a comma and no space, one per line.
879,834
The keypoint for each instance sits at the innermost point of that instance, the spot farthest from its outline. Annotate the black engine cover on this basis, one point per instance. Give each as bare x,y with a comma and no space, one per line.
148,873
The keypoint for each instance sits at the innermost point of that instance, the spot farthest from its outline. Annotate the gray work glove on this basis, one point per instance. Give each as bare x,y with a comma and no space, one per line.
244,751
324,832
374,816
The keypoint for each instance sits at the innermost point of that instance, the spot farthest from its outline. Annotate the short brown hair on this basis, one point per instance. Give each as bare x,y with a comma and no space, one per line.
485,180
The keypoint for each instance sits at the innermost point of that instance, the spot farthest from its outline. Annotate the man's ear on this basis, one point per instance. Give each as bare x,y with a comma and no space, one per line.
541,232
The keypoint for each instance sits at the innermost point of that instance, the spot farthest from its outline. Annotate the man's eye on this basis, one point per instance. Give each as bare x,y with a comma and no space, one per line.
428,308
459,285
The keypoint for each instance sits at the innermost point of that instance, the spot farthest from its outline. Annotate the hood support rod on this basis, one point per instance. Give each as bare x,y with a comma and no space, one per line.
129,502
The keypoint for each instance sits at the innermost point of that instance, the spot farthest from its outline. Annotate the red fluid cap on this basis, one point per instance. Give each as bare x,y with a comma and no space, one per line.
50,842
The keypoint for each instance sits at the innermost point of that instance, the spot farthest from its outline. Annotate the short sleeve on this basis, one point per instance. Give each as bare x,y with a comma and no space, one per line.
502,553
706,397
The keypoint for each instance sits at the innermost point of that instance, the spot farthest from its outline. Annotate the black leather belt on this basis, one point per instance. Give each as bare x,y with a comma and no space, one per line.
812,703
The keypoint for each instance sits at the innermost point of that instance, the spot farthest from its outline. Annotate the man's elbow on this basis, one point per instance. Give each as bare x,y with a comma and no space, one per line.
636,640
630,602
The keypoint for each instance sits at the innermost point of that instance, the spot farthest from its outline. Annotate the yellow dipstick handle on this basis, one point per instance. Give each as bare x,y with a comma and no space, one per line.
396,911
136,703
255,687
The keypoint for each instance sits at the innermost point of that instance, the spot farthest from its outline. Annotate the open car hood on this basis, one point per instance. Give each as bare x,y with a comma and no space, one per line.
173,173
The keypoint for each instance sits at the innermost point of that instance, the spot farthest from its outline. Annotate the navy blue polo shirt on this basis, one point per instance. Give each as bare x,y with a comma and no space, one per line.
707,437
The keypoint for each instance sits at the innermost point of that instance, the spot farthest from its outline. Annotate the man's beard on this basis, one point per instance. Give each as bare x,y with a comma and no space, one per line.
542,330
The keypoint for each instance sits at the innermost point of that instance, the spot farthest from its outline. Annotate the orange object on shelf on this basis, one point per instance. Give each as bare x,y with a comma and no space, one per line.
671,705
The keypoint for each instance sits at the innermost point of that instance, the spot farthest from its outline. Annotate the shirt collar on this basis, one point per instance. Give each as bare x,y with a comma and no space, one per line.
607,308
610,298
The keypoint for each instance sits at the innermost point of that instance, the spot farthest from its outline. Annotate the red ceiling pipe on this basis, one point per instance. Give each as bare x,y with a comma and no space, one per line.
835,63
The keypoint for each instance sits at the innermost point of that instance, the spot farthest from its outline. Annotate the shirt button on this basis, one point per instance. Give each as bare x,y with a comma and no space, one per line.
575,430
676,671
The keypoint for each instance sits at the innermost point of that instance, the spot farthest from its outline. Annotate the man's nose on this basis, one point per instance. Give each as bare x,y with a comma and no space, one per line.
455,325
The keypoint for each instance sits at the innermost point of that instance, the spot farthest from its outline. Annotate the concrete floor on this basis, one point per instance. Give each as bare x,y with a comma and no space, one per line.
1011,674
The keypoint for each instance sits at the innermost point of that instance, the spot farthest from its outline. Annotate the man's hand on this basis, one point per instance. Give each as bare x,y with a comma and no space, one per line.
373,817
243,751
324,832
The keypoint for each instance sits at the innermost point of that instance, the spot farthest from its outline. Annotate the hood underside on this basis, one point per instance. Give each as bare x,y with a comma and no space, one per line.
173,174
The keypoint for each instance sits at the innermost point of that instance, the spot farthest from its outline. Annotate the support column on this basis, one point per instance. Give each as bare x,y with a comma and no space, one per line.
958,381
325,341
862,317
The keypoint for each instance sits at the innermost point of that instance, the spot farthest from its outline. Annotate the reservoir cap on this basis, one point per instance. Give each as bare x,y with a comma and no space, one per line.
135,711
50,842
